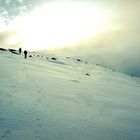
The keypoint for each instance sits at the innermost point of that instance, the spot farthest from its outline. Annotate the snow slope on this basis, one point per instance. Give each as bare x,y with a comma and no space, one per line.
44,99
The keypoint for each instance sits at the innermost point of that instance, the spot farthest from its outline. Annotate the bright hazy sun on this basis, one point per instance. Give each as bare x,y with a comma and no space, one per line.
61,24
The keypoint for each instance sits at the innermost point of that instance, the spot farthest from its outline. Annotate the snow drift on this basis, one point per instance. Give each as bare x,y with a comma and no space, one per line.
65,99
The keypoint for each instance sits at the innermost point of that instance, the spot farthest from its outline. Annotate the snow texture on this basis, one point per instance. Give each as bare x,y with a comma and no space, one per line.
66,99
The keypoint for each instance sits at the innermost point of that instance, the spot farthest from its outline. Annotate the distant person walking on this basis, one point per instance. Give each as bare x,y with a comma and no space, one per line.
25,54
20,50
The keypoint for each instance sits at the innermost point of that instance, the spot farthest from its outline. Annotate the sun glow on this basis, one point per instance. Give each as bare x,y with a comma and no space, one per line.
60,24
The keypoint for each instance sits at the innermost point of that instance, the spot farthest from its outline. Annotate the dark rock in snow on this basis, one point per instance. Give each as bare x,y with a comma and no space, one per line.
53,58
2,49
87,74
78,59
14,51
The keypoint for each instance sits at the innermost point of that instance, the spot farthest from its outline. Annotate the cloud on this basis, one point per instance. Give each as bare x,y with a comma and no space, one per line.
118,49
6,39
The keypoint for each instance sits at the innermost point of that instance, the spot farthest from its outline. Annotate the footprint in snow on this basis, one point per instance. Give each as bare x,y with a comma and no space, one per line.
7,133
76,81
38,137
39,100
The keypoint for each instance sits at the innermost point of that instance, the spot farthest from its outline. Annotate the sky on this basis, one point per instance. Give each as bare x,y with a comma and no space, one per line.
104,31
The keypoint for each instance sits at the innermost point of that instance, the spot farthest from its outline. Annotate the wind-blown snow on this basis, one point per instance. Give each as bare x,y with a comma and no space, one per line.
45,99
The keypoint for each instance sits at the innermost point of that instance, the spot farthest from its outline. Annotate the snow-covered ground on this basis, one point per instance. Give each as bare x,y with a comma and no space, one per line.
45,99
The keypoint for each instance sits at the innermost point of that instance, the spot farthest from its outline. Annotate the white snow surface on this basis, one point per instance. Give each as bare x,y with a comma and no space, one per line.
45,99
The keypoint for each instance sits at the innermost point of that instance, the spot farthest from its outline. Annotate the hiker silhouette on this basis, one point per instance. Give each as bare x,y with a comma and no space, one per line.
20,50
25,54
